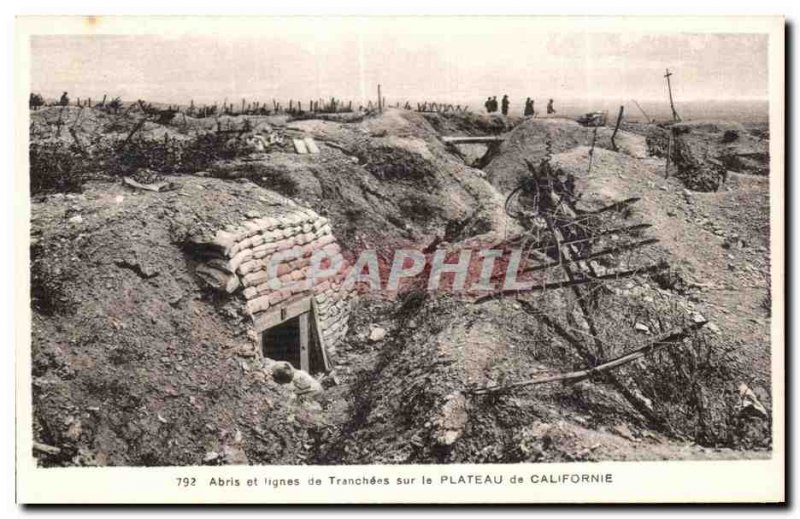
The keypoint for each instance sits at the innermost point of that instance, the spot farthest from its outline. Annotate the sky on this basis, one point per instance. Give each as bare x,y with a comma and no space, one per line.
413,59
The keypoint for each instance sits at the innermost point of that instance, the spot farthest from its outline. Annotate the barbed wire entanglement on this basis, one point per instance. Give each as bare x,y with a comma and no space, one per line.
584,253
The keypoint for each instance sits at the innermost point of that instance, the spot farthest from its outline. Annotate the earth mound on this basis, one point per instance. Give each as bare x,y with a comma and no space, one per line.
130,347
538,139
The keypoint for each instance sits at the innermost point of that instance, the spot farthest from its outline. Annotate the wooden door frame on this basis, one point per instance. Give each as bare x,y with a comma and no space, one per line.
310,331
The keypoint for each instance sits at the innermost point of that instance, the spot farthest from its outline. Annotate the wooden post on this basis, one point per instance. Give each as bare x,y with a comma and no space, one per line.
591,150
304,357
669,154
646,117
675,116
320,338
616,128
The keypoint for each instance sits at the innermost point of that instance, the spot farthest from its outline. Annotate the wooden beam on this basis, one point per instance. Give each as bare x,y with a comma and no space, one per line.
482,139
320,336
575,376
616,128
304,356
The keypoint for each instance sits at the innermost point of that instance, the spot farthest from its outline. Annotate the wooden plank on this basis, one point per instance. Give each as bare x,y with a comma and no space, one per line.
300,146
304,357
267,320
311,145
297,307
277,315
320,337
474,140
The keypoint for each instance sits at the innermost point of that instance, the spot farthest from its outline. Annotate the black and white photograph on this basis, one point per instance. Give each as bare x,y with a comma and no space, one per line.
328,243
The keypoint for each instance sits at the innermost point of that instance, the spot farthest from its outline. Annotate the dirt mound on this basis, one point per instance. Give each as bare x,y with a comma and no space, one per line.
385,176
704,151
129,347
471,124
537,139
412,405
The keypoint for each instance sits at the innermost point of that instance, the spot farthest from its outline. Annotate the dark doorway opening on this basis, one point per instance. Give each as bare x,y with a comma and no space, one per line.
282,342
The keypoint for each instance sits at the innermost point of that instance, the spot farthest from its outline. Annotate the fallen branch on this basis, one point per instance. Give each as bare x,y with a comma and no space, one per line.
576,376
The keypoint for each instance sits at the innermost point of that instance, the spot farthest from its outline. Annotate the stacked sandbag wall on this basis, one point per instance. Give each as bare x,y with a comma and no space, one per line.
286,241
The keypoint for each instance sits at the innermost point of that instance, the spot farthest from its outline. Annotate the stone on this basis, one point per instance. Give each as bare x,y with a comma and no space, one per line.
640,327
377,334
235,455
714,328
750,404
210,457
624,431
76,219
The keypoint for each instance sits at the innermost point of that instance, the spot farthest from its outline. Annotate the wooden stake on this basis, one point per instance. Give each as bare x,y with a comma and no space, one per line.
669,155
616,128
675,116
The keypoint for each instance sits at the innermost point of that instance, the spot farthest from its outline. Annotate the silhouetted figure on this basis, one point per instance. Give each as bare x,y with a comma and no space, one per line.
528,107
488,105
505,105
494,103
35,101
64,101
550,109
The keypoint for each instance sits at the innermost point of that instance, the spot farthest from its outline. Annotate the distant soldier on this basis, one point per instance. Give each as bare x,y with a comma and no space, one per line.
550,109
488,105
528,107
64,101
505,105
494,104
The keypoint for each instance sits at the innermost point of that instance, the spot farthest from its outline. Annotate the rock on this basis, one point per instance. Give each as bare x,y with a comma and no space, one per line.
210,457
74,431
377,334
452,419
235,455
623,431
76,219
750,405
697,317
246,351
639,327
714,328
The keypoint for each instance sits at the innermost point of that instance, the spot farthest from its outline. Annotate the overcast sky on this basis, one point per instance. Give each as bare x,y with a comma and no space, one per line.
414,59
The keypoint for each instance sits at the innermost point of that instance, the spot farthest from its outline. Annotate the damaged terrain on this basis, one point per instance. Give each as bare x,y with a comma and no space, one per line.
147,349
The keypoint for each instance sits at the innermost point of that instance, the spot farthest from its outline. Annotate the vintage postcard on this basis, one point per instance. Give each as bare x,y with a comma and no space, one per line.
501,259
